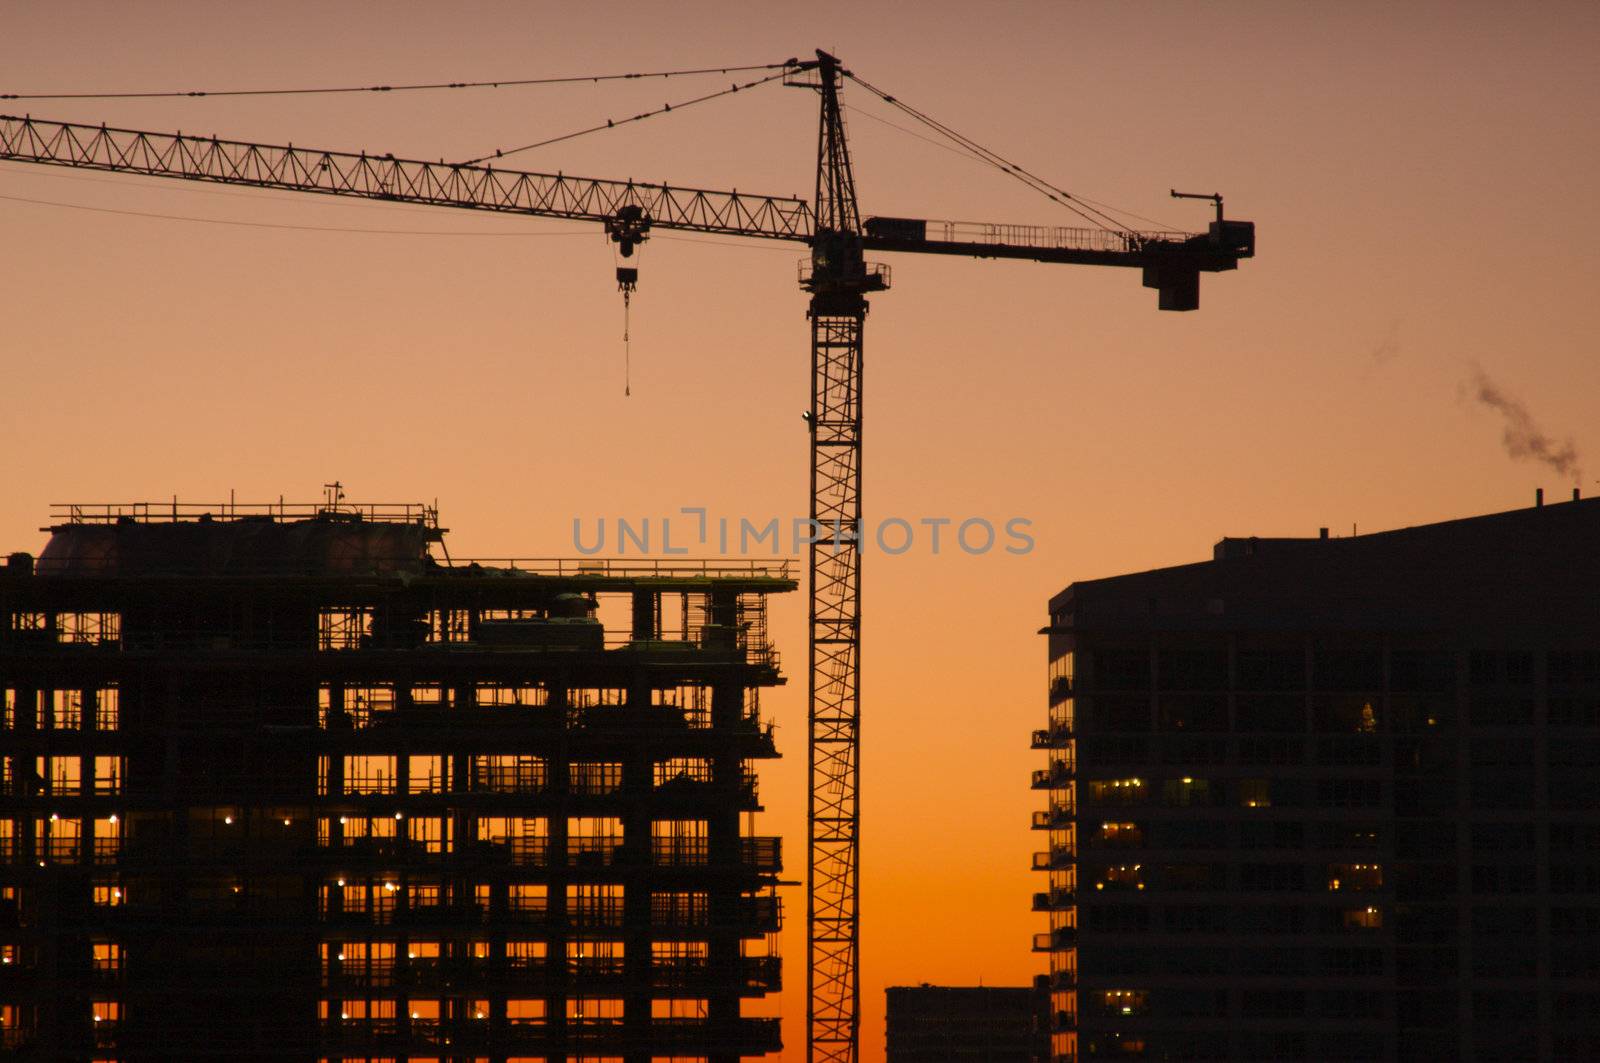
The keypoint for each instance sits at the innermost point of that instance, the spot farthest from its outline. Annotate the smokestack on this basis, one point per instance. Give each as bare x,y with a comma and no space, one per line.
1538,496
1324,533
1574,494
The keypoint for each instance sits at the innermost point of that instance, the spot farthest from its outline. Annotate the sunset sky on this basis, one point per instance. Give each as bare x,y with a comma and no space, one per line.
1421,177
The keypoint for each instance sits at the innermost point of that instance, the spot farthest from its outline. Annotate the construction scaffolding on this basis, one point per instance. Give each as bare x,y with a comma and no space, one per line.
280,784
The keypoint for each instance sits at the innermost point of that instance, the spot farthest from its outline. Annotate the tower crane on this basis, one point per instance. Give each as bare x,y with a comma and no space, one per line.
838,279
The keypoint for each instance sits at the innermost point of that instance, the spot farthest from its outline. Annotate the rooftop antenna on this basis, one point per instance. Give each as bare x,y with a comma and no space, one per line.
332,495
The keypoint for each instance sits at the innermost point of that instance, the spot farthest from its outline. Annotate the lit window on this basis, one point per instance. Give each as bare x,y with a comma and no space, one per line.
1118,791
1367,918
1119,834
1124,1001
1121,876
1355,876
1255,793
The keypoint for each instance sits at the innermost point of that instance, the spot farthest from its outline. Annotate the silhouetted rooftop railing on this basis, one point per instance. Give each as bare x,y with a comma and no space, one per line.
504,567
626,568
175,510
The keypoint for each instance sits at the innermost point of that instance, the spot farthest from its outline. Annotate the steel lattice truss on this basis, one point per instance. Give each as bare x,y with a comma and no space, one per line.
834,812
408,180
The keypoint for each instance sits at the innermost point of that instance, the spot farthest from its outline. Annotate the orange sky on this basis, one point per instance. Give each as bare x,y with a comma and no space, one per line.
1421,177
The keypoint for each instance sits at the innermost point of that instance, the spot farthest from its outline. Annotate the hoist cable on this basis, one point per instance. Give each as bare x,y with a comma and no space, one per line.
1059,195
614,123
974,157
509,83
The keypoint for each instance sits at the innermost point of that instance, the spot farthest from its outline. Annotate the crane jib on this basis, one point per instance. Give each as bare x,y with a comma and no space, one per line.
1170,259
387,177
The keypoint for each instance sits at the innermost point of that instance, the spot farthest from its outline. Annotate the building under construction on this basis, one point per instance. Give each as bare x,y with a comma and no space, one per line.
279,784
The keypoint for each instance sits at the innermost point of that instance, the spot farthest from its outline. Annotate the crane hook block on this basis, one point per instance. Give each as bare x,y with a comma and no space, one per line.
628,228
627,279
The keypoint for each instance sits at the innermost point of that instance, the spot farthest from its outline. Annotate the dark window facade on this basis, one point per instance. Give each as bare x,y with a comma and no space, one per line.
1327,799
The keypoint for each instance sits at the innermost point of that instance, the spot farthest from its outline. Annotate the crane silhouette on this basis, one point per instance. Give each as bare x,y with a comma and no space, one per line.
838,279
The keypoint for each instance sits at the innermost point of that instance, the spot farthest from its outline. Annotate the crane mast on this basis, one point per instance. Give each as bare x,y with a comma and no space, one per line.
838,279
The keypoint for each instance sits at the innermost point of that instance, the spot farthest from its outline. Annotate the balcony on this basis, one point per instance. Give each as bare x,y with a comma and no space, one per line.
1056,737
763,855
680,852
1066,978
751,915
1055,817
758,974
683,789
762,974
1056,775
1060,688
1065,937
1057,857
1054,900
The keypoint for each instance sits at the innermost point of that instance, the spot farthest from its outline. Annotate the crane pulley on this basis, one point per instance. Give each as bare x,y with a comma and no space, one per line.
838,279
628,228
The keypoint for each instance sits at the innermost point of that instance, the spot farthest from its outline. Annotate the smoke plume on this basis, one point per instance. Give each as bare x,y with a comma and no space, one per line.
1523,438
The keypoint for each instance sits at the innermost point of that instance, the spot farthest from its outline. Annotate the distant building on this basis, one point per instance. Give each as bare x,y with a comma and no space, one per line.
966,1024
280,785
1330,799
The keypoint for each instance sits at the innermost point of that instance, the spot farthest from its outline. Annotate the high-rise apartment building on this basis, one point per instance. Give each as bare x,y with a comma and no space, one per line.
280,785
1332,798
